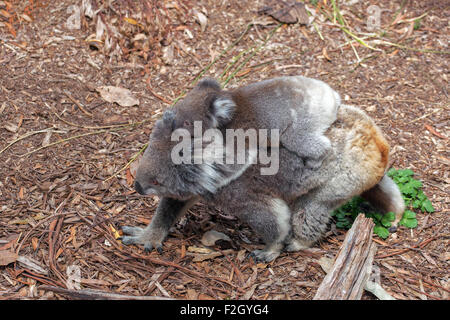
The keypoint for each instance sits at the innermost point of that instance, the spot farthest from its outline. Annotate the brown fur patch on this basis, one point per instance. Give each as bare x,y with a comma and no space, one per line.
368,142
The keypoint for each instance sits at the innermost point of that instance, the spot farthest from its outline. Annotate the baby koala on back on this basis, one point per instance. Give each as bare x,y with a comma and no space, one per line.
301,108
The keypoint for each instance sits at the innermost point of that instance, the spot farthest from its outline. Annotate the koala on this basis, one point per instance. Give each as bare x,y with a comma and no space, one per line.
301,108
290,209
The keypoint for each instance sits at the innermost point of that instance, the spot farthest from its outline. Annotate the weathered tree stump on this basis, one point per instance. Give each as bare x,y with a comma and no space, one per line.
352,266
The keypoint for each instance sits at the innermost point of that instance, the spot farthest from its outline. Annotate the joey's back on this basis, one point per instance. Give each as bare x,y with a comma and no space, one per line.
279,102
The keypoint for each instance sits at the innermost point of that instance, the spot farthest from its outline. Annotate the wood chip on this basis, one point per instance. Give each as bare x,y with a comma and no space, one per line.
7,257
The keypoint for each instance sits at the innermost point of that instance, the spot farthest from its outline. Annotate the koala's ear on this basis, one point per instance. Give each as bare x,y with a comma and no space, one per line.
221,110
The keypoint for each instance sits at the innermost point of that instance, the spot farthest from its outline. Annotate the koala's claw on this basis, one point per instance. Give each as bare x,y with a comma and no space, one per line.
136,235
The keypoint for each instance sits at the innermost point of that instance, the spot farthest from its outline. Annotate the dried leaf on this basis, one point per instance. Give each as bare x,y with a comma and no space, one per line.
115,232
58,253
26,17
325,54
34,243
130,21
21,191
2,107
212,236
100,29
135,165
293,12
192,294
5,13
199,250
73,232
326,263
46,140
129,177
433,131
87,9
201,19
168,55
249,292
212,255
11,127
203,296
10,29
7,257
121,96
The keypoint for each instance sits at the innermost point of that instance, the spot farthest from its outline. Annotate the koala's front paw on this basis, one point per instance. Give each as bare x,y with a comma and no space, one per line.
317,151
313,163
150,239
264,255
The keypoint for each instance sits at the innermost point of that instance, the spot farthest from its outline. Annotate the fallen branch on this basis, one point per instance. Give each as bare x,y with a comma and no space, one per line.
91,294
352,266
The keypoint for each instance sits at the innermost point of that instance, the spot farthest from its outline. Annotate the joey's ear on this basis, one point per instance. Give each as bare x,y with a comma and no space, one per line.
221,110
164,126
209,83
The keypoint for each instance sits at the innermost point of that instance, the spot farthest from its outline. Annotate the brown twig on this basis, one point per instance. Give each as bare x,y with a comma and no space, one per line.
92,294
77,103
419,245
149,88
417,290
35,226
236,269
40,278
52,238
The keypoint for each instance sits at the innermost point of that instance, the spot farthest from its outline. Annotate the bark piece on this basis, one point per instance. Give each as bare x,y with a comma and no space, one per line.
352,266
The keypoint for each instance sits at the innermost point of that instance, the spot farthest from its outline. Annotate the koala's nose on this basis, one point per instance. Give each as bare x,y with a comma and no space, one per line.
138,188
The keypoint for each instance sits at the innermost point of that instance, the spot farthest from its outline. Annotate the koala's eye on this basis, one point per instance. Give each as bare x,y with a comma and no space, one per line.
154,182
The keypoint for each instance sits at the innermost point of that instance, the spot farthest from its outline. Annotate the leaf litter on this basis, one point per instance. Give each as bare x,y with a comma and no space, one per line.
58,182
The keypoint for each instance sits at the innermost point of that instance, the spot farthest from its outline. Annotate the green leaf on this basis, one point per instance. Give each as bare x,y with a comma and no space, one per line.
387,218
385,222
410,223
381,232
417,24
376,216
391,172
409,188
421,196
427,206
409,214
415,183
342,225
406,172
390,216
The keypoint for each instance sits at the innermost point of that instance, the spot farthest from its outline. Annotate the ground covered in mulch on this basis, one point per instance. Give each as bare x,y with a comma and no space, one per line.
65,188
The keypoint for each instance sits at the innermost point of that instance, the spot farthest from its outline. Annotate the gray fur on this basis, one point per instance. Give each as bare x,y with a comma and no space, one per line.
312,107
290,209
